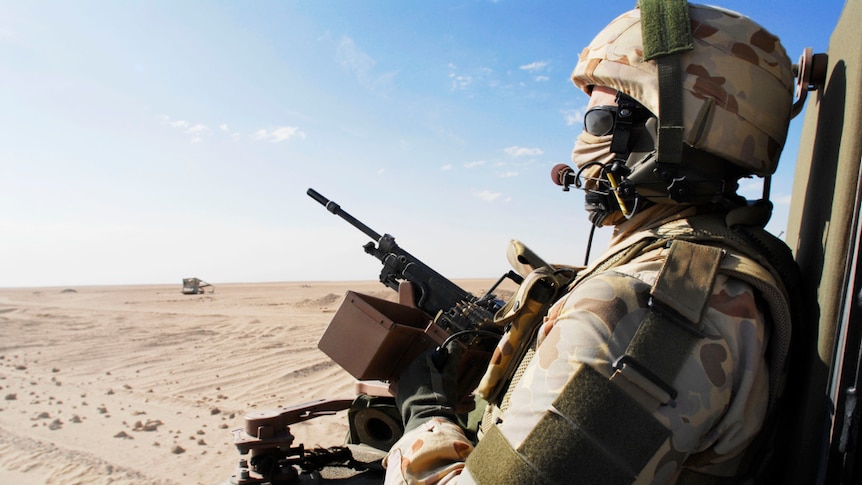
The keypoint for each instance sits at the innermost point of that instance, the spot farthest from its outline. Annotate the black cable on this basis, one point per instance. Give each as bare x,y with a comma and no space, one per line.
589,244
482,333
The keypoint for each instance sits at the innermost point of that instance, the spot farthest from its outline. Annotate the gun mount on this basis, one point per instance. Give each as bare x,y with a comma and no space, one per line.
267,440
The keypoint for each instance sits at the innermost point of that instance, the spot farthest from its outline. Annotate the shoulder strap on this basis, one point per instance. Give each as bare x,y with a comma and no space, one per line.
672,325
766,263
666,31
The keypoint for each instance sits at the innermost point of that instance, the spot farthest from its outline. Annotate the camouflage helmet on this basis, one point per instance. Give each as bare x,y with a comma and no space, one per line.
737,83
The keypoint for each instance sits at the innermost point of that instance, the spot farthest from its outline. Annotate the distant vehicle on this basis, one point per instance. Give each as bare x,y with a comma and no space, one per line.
195,286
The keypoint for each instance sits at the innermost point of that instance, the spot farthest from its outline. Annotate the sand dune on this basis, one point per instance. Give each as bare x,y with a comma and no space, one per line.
142,384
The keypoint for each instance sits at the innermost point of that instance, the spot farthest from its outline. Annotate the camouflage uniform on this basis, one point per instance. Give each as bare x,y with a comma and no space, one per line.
723,384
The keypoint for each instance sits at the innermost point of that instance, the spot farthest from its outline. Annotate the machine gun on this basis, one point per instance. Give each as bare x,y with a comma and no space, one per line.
431,292
374,339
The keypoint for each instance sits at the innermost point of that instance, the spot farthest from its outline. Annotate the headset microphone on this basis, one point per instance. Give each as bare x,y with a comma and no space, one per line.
563,175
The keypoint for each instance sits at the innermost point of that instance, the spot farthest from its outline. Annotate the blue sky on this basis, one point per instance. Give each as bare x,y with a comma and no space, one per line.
146,141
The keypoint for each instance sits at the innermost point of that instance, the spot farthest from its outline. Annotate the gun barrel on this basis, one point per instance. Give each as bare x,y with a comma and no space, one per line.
331,206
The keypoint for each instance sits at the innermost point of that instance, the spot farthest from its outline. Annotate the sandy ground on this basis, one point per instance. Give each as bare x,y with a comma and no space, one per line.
142,384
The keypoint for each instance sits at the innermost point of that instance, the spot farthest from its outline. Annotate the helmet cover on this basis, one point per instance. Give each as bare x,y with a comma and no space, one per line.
737,83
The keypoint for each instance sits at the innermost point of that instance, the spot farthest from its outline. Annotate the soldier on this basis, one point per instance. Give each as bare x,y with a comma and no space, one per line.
663,361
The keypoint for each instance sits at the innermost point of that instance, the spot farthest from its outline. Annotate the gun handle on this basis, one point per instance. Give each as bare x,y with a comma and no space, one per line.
471,368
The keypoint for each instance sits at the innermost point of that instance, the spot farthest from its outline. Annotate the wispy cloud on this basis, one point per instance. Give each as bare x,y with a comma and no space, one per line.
224,128
446,167
505,83
198,131
178,124
534,66
279,134
474,164
536,69
487,195
459,83
195,130
353,58
507,174
363,66
478,76
516,151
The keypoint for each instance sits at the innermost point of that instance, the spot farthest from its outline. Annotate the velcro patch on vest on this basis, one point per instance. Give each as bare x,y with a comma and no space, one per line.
595,432
494,461
660,347
685,280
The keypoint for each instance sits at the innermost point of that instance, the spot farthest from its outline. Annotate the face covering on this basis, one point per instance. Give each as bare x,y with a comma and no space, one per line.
594,152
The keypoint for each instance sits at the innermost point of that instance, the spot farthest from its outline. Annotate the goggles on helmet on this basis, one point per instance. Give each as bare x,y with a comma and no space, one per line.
601,120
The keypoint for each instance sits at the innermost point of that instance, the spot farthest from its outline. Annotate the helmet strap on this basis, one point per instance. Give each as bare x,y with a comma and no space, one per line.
666,31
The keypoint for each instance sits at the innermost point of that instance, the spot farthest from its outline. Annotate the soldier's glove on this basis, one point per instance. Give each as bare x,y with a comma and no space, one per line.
428,386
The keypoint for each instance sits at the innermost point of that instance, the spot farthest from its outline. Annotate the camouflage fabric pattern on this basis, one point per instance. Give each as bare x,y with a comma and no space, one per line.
432,453
723,384
737,86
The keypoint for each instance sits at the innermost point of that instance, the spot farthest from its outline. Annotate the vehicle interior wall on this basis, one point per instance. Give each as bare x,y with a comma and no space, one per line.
822,231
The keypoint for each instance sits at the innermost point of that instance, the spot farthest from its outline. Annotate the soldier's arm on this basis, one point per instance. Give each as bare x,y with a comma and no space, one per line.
566,419
723,393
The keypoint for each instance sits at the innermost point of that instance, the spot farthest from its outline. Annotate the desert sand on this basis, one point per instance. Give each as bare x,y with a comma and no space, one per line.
142,384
